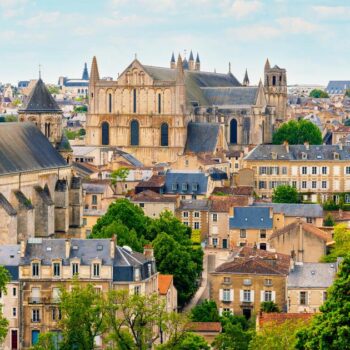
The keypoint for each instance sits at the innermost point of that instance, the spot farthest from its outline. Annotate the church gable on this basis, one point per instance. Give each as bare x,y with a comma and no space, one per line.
135,74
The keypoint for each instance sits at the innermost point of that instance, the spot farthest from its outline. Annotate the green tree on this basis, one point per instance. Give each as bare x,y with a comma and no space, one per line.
347,122
285,194
206,311
330,329
5,278
46,342
269,306
347,93
121,175
83,317
81,109
297,133
276,336
189,341
317,93
341,246
53,89
328,220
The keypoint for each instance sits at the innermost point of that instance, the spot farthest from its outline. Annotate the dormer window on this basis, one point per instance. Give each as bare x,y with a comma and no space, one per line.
184,187
336,155
195,187
96,267
137,274
56,269
303,155
75,269
35,269
174,187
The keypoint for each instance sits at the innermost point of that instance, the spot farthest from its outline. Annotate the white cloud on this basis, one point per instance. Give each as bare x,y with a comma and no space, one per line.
12,8
332,11
43,18
254,32
295,25
243,8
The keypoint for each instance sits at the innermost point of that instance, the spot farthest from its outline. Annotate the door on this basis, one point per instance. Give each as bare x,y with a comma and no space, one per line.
224,243
263,246
14,339
247,313
35,336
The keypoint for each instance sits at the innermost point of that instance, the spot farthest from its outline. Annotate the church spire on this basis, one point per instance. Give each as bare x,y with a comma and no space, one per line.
246,79
198,63
94,75
267,65
172,61
191,63
85,75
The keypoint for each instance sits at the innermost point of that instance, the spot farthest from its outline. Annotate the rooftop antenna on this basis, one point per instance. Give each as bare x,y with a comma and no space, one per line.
39,71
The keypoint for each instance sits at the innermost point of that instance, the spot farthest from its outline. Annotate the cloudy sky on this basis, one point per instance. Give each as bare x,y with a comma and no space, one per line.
310,38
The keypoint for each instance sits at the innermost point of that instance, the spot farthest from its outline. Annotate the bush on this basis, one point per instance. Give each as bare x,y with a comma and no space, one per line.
330,205
317,93
328,220
346,207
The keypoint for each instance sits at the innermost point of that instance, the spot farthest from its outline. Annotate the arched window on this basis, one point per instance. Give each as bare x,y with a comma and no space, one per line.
109,103
105,133
233,131
134,100
159,103
134,133
273,80
164,135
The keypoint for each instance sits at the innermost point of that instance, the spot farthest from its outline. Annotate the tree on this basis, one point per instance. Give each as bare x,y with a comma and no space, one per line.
297,133
285,194
317,93
328,220
347,93
46,342
189,341
53,89
82,132
274,336
341,246
330,329
118,175
206,311
83,317
269,306
5,278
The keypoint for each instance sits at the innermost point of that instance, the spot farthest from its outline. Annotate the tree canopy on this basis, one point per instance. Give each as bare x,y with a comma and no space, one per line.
5,278
269,306
341,246
297,133
330,329
347,93
206,311
318,93
285,194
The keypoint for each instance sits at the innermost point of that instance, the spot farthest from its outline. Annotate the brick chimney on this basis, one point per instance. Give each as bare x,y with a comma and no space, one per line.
286,145
113,243
307,145
67,248
23,248
148,251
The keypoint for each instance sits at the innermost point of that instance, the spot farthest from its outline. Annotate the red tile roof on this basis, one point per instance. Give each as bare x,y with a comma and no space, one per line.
204,327
224,203
154,181
164,283
273,317
151,196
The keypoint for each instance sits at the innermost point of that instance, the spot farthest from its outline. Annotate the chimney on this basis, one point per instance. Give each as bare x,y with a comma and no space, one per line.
271,212
307,145
286,145
23,248
67,248
113,243
148,251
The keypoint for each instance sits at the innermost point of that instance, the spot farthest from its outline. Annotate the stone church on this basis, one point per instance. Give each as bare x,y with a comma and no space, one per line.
149,111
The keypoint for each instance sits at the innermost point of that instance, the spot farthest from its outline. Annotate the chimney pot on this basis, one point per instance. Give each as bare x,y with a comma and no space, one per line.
148,251
67,248
113,243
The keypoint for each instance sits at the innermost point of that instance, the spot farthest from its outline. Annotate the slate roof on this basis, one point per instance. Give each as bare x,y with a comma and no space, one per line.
251,218
94,187
9,257
23,147
202,137
195,204
153,181
315,152
338,86
293,209
312,275
194,182
40,101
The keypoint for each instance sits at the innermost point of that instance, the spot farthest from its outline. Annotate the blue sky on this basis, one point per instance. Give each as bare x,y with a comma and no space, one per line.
309,38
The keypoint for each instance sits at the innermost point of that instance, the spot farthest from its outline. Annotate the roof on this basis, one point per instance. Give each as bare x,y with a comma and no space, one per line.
40,100
195,204
251,218
204,327
279,317
237,191
9,257
151,196
164,283
31,150
186,182
338,86
312,275
342,128
202,137
293,209
153,181
313,230
94,187
312,152
224,203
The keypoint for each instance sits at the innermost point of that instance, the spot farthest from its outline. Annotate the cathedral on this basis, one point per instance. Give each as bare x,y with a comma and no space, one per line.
151,112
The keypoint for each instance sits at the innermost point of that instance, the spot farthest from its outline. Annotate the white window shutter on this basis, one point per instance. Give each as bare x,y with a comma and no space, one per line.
240,295
262,292
252,295
221,294
220,311
231,294
273,296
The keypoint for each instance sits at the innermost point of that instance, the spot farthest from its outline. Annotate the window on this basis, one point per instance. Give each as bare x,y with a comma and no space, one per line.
304,170
185,223
227,279
137,290
109,103
347,198
226,295
184,187
284,170
314,170
247,281
84,221
134,133
55,295
75,269
134,100
324,184
14,291
347,170
185,214
96,270
174,187
262,246
194,187
142,205
314,184
324,170
215,217
196,214
268,282
309,220
294,184
243,233
262,233
303,298
35,315
14,312
196,225
303,184
105,133
215,242
324,296
262,184
159,103
14,339
164,135
267,295
53,314
137,273
56,269
246,295
35,269
94,199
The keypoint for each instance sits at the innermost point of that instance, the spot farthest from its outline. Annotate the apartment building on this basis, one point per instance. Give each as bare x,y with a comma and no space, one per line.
317,171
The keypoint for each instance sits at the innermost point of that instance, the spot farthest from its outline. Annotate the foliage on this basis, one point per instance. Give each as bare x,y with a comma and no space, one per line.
196,236
46,342
275,336
341,245
318,93
53,89
16,102
347,121
330,329
83,317
285,194
346,207
80,109
297,132
189,341
328,220
347,93
121,175
330,204
269,306
206,311
5,278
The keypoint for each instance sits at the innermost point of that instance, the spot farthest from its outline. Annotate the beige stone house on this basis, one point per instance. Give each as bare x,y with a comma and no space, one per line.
167,291
248,278
307,286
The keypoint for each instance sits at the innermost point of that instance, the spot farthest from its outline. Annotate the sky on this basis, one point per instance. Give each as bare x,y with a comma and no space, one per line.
310,38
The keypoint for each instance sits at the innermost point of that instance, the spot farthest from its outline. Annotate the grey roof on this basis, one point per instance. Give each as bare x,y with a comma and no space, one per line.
64,145
338,86
6,205
202,137
195,204
191,56
231,96
23,148
40,100
94,188
298,210
251,218
9,257
314,152
130,158
196,182
312,275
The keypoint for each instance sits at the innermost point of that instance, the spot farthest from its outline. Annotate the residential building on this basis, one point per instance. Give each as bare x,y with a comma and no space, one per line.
251,226
338,87
307,286
155,183
248,278
75,87
341,135
208,330
167,291
317,171
304,242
